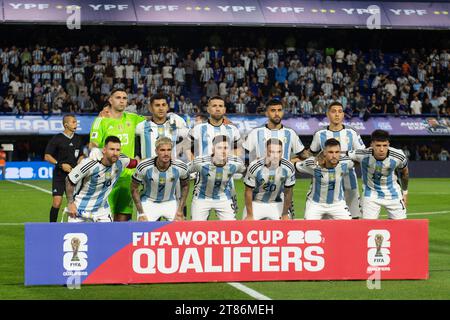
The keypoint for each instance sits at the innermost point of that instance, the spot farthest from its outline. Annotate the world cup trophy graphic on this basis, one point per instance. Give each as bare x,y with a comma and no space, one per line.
75,243
378,242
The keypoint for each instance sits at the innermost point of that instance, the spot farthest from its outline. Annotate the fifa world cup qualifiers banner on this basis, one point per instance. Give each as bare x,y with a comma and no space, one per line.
160,252
423,126
225,12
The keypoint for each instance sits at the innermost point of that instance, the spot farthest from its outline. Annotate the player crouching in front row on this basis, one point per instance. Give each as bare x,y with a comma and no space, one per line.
94,181
326,193
379,164
213,187
268,185
160,176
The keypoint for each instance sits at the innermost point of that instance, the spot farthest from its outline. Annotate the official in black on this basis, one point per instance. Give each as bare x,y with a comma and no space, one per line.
65,151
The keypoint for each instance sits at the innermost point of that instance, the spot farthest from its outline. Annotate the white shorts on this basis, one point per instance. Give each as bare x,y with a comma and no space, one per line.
155,210
102,215
371,208
335,211
200,208
269,211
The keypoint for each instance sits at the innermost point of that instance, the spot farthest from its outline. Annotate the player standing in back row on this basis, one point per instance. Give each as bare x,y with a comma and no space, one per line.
161,124
349,140
255,143
123,125
201,135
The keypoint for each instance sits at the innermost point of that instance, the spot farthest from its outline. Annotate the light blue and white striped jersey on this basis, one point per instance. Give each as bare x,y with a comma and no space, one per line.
215,182
202,135
160,186
94,182
327,183
148,131
379,177
256,140
349,139
268,184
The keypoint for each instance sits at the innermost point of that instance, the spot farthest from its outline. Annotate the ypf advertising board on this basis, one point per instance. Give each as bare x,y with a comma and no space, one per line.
159,252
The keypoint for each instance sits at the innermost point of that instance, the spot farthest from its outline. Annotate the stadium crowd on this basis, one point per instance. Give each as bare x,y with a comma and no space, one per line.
50,80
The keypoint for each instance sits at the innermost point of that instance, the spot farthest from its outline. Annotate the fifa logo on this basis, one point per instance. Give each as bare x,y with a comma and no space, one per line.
75,248
378,243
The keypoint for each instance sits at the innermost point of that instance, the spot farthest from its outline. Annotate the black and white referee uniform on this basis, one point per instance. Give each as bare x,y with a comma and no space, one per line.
65,149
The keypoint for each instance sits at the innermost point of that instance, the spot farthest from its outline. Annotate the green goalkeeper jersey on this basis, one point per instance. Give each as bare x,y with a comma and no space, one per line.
123,128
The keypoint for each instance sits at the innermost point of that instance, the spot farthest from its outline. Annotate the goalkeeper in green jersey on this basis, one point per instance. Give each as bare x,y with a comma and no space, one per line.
122,125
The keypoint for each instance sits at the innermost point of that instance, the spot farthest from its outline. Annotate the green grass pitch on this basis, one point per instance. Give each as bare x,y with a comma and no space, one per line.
428,199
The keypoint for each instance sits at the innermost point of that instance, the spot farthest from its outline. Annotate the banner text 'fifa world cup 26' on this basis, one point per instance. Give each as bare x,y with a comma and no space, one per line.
158,252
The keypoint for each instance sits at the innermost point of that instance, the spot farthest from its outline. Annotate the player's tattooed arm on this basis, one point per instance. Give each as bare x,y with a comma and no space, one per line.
135,194
305,154
405,178
70,188
182,203
287,203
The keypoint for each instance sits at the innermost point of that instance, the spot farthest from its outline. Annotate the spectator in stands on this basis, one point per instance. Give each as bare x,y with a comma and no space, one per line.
416,106
301,73
444,155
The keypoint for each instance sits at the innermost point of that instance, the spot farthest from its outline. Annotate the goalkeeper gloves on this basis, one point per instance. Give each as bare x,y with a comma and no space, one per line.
96,154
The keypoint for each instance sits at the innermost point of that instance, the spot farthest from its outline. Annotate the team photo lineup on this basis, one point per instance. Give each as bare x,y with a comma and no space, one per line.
212,158
147,162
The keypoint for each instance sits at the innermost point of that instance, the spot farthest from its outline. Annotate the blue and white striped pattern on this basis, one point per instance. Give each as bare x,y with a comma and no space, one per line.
202,135
268,184
215,182
349,139
160,186
379,177
327,183
95,182
174,128
255,143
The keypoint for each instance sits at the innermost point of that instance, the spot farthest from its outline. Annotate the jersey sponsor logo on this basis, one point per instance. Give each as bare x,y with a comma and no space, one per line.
77,152
378,254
